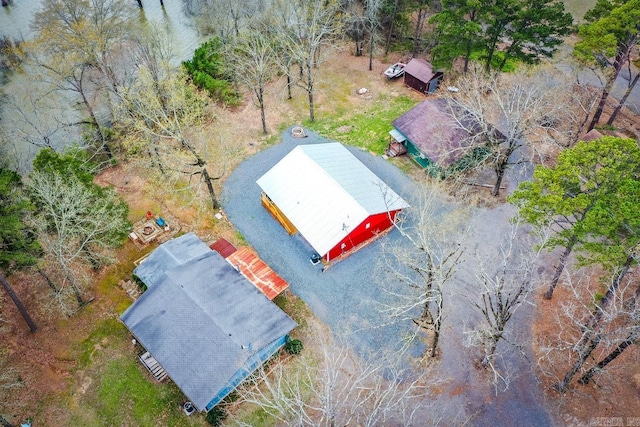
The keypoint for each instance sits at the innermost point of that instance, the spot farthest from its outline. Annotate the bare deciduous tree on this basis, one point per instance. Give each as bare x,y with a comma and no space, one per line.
255,61
506,278
504,112
74,49
417,272
336,388
585,347
76,225
164,123
312,27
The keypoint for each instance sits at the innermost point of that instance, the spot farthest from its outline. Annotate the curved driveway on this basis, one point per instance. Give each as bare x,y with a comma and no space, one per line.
347,296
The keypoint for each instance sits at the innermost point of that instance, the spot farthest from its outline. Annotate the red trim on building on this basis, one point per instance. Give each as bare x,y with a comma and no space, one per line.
368,229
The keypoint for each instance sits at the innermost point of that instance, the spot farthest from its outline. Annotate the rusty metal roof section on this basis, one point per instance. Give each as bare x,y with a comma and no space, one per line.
223,247
257,272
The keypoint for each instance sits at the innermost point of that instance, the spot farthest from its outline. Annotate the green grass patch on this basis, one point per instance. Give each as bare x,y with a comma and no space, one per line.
105,332
368,128
296,308
123,395
254,415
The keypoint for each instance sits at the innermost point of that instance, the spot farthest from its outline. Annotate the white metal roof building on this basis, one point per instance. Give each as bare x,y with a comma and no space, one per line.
330,197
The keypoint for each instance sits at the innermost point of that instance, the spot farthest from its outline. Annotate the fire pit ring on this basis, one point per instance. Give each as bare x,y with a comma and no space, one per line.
147,230
298,132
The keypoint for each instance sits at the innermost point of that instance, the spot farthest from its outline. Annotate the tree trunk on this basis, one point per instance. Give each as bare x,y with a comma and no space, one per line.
492,48
584,354
260,96
501,167
623,100
48,280
309,85
599,310
617,66
96,125
467,58
209,183
418,31
76,291
358,47
392,18
139,3
560,268
631,339
506,56
18,303
371,43
437,324
288,86
489,352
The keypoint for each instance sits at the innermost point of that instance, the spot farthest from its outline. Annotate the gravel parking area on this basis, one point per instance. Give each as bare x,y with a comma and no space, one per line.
345,296
348,296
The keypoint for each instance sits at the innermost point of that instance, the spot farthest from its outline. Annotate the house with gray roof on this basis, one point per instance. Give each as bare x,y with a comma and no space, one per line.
202,321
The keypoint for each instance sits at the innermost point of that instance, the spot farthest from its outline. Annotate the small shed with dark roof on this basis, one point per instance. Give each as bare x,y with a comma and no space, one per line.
202,321
419,75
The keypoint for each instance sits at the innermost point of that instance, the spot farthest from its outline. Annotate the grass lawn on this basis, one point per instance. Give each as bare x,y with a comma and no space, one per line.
368,128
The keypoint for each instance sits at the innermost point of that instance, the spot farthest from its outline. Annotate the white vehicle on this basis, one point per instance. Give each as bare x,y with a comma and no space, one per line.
396,70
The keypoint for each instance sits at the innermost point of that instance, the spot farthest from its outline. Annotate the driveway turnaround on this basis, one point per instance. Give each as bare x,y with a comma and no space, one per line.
345,296
349,296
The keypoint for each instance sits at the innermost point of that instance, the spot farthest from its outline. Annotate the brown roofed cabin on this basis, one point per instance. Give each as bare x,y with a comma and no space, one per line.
419,75
434,140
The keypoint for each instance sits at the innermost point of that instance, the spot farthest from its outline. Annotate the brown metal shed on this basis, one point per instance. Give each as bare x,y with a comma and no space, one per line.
419,75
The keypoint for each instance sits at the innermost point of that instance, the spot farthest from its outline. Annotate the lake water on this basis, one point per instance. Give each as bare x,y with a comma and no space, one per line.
18,126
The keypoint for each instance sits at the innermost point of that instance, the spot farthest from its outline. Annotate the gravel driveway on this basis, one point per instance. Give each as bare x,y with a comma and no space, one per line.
347,296
344,296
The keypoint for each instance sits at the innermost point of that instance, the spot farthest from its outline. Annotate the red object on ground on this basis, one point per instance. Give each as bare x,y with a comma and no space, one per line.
149,215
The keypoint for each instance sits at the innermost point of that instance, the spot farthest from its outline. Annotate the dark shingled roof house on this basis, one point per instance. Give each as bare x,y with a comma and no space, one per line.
419,75
432,138
202,321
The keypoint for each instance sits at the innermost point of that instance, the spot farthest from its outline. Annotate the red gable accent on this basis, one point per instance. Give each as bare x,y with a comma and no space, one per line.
223,247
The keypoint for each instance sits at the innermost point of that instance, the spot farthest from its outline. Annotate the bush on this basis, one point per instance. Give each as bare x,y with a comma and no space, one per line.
293,346
209,72
216,416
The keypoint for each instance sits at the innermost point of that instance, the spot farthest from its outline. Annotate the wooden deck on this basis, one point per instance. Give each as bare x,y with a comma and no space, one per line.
146,231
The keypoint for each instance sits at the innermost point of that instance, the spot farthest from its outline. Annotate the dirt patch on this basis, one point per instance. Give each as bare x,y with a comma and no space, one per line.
612,396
